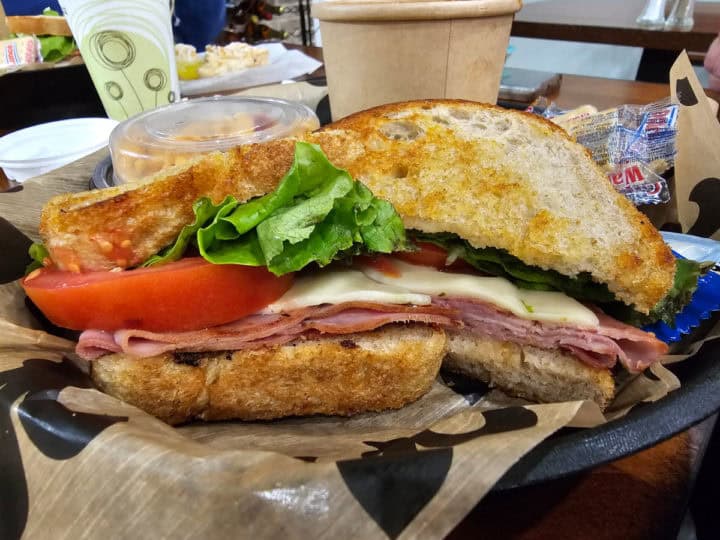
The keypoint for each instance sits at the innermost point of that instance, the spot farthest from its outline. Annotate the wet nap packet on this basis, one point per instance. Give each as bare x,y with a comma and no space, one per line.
19,51
633,144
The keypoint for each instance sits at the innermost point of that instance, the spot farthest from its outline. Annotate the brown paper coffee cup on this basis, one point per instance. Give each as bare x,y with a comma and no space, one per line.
383,52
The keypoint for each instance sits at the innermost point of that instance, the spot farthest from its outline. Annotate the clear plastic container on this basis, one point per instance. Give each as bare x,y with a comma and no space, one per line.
145,144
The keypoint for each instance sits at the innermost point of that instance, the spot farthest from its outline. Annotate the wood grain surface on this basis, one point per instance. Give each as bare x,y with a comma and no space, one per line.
641,497
612,22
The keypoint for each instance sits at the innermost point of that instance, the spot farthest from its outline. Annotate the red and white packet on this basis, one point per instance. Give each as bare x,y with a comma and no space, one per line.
19,51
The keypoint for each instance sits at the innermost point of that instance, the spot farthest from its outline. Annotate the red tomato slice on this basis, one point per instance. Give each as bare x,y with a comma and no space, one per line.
429,255
189,294
435,256
382,264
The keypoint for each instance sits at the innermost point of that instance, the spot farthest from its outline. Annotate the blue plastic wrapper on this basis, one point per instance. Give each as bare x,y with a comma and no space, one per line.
706,298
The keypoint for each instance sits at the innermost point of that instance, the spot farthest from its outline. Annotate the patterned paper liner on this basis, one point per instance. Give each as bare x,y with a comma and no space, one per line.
706,299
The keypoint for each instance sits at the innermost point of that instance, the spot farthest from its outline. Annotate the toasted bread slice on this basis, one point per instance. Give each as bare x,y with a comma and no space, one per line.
509,180
497,178
40,25
339,375
529,372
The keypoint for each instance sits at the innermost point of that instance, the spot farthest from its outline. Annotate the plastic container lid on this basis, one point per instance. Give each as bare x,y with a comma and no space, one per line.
408,10
172,135
42,148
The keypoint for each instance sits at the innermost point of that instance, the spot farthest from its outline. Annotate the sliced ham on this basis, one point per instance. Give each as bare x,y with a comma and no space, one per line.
261,330
363,320
599,346
641,349
96,343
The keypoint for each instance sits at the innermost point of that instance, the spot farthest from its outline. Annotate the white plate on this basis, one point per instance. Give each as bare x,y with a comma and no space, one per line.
282,64
42,148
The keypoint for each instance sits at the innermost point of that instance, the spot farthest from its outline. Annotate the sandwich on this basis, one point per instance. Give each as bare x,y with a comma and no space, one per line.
50,23
202,327
515,262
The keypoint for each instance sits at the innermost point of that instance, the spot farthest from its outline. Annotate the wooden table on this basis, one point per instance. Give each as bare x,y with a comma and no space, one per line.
612,22
574,90
605,93
641,497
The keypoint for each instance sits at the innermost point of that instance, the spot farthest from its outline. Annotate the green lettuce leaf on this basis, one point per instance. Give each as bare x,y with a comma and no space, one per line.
687,273
294,224
38,253
318,213
204,210
581,287
55,48
498,262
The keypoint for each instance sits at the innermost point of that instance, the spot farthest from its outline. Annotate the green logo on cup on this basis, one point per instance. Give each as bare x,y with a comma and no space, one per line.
130,73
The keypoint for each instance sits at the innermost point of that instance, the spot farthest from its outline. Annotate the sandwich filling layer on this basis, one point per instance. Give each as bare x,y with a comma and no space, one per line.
349,301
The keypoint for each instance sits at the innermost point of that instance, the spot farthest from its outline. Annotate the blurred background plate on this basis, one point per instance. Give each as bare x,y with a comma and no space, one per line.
282,64
44,147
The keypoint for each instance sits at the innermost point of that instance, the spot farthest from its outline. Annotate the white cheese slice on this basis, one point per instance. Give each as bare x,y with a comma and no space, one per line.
417,284
547,306
338,286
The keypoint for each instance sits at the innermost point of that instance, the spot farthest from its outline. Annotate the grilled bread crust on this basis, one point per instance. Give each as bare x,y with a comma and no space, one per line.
495,177
548,376
340,375
39,25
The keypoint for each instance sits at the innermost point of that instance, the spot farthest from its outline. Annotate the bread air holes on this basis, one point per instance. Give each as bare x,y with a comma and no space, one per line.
401,131
515,141
376,144
400,170
501,125
460,114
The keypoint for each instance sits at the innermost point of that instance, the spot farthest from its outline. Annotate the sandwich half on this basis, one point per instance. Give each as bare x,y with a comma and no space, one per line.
204,328
519,251
512,194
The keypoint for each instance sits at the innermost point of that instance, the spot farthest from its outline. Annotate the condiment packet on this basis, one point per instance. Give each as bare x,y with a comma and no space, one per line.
563,118
706,299
19,51
633,144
